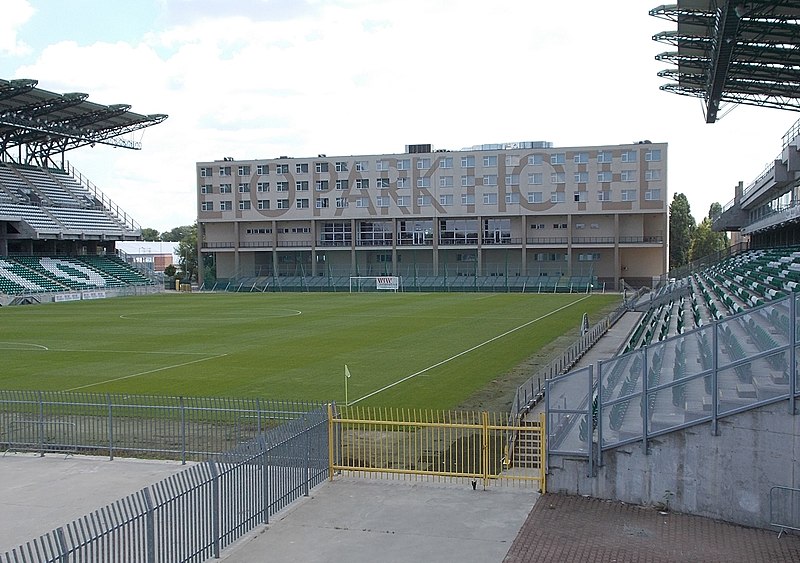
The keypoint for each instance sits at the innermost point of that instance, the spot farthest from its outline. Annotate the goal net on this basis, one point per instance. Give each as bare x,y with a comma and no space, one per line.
375,283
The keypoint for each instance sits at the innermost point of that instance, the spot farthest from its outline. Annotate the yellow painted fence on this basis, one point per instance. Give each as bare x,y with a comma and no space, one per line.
447,445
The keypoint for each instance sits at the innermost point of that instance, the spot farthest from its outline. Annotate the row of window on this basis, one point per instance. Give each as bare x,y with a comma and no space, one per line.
426,200
444,182
423,163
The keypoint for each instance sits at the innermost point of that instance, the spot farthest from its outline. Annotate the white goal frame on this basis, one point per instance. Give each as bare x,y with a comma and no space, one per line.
375,283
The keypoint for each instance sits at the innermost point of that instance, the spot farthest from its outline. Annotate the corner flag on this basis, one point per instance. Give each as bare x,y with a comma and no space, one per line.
346,377
346,371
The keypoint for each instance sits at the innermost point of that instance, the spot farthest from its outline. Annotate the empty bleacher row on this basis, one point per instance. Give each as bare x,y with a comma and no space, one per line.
734,317
40,274
51,201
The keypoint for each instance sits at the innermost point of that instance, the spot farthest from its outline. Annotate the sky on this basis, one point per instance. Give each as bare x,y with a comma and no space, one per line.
265,78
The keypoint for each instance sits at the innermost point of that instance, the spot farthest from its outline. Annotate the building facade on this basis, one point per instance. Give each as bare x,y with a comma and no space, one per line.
515,209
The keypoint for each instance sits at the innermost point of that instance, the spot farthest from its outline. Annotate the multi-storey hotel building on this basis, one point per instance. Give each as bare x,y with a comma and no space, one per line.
515,209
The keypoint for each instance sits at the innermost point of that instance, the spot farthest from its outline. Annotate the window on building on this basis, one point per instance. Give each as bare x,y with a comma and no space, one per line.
205,172
653,194
652,155
468,199
604,157
340,166
362,166
225,189
535,160
423,163
281,168
535,178
283,204
404,164
301,168
589,257
262,169
604,176
445,181
604,195
382,183
383,201
424,182
403,183
424,200
362,183
558,178
342,184
535,197
244,170
490,179
512,179
467,162
281,186
579,196
263,204
652,175
244,188
244,205
490,198
224,170
207,206
581,158
627,176
446,199
467,181
262,187
207,189
580,225
320,167
628,156
490,160
362,202
321,203
381,165
557,197
446,162
628,195
301,186
341,202
226,205
403,201
512,198
302,203
321,185
558,158
581,177
537,226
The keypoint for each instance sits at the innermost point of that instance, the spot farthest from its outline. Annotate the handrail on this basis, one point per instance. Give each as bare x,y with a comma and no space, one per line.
105,201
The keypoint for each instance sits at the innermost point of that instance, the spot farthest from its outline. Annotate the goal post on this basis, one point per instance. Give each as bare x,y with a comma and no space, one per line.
360,284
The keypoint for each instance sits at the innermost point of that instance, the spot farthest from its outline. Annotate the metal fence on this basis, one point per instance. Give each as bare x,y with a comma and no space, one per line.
180,428
193,515
784,509
733,365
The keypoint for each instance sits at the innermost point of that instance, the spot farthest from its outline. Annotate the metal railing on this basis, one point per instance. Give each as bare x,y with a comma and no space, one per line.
195,514
784,508
180,428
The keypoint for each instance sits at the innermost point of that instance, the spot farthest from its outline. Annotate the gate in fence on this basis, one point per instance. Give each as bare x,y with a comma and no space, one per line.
448,445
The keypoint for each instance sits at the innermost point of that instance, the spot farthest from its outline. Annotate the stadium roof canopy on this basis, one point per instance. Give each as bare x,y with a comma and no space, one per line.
40,124
743,52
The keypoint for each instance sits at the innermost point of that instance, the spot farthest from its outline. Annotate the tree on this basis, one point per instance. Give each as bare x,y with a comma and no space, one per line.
150,234
179,233
705,241
714,211
187,252
681,228
170,270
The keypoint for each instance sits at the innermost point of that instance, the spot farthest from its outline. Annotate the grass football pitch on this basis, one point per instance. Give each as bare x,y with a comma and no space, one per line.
402,349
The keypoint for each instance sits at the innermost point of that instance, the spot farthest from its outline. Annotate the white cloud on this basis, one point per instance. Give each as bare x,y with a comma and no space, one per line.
15,13
357,77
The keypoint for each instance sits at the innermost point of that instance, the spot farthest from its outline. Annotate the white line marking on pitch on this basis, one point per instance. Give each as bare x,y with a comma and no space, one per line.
145,372
506,333
23,346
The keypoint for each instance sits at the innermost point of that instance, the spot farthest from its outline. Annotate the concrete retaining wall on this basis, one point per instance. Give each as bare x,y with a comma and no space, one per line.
726,476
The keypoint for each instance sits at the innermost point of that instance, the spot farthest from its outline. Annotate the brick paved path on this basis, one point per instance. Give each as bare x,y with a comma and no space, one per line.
567,528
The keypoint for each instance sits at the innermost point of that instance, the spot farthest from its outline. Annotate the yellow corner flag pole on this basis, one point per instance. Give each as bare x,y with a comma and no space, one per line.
346,377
